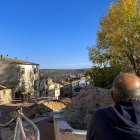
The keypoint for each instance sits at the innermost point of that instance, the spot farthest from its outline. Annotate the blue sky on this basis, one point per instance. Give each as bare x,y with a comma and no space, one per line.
53,33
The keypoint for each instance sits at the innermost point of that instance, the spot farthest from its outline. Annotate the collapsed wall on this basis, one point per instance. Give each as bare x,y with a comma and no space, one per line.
79,112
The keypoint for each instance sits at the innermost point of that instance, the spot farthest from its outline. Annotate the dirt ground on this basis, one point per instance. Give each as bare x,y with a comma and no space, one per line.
31,109
52,104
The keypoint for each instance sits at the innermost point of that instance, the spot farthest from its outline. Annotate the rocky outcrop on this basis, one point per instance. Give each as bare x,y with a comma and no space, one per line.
78,113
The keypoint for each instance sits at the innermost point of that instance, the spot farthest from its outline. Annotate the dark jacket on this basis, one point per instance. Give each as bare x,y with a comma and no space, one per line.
121,122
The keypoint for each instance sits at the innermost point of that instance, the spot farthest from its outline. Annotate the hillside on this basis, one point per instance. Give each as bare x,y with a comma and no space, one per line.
61,74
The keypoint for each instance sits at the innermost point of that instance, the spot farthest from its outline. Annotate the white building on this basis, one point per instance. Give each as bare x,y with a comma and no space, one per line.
54,89
83,82
18,75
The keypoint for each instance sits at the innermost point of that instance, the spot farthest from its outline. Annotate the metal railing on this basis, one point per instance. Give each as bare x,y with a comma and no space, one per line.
25,129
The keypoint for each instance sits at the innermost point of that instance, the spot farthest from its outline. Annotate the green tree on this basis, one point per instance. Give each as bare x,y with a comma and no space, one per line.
103,77
119,37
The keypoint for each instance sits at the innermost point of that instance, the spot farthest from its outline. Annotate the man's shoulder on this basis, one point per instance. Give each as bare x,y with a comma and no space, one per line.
100,112
98,118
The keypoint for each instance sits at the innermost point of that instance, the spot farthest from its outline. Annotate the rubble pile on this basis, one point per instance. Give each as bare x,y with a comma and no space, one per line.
66,100
30,111
55,105
35,109
78,113
6,115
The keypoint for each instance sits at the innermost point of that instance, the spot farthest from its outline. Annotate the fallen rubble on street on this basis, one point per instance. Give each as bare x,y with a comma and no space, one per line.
31,110
34,111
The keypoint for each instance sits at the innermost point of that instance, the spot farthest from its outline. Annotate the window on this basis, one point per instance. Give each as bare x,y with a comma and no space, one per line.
23,83
35,71
22,71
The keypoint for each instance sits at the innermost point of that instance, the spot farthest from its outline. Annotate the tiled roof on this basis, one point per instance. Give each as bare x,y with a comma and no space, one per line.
17,61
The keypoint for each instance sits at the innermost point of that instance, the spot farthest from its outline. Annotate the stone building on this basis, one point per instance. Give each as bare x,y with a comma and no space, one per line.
18,75
54,89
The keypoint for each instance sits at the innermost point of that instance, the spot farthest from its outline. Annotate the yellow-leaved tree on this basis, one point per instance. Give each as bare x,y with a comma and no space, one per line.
118,43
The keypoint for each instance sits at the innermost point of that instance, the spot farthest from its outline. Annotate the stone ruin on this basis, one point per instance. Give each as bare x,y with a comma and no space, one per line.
79,112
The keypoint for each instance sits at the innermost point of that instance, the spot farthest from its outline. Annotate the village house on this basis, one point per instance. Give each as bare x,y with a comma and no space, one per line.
54,89
73,85
19,76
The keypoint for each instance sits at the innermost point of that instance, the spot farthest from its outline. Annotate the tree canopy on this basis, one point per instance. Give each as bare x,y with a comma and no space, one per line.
118,40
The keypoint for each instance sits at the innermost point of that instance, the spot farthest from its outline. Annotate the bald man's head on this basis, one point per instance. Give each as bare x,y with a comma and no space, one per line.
126,87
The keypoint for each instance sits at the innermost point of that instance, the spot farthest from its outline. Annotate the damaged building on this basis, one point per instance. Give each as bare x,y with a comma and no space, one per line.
19,76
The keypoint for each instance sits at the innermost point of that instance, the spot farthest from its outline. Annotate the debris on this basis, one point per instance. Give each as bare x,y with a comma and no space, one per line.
55,105
35,109
31,111
79,112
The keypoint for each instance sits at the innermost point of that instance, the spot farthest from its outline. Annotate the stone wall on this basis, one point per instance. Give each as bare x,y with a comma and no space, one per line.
5,96
9,76
63,131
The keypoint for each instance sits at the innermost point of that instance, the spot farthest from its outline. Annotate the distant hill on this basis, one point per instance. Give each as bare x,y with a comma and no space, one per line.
60,74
